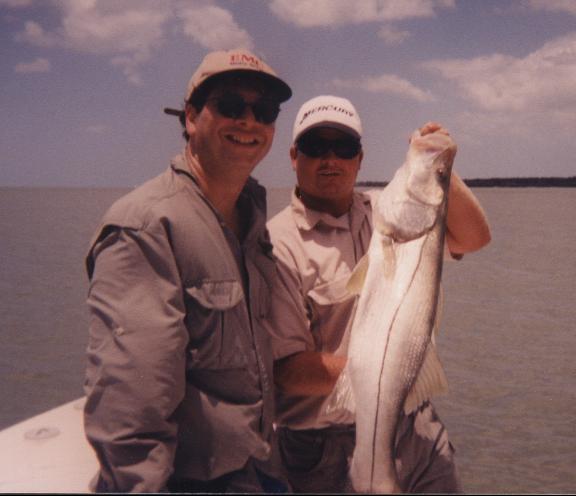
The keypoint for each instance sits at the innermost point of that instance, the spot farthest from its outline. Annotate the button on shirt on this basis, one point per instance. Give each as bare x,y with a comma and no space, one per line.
179,376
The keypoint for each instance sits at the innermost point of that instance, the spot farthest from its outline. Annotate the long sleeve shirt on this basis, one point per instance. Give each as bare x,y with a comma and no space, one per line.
179,375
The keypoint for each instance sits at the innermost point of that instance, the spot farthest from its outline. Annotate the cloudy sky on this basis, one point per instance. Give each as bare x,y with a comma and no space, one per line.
84,82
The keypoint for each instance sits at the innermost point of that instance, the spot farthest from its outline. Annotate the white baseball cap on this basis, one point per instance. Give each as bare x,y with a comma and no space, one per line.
237,60
327,111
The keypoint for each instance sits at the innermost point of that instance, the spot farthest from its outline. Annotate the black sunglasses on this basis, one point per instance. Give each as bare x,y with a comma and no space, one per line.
314,146
233,106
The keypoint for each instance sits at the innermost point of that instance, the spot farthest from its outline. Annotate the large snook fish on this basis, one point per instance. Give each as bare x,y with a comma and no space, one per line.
398,281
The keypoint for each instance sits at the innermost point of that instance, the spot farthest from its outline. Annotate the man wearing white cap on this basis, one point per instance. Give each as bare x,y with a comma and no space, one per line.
318,239
179,377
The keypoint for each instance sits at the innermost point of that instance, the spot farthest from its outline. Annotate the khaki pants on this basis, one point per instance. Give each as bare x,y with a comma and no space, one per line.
317,460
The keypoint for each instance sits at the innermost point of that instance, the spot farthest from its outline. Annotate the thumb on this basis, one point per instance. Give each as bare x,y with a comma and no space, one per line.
415,134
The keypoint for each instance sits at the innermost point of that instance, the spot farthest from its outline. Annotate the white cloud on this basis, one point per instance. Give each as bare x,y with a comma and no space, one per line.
542,80
309,13
387,83
127,31
35,35
213,27
38,65
15,3
561,6
522,98
392,36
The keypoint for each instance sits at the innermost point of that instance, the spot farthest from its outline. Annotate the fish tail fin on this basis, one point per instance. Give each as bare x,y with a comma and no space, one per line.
431,381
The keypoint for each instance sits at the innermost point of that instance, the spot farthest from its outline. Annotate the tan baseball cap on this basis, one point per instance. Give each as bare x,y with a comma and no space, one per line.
237,60
327,111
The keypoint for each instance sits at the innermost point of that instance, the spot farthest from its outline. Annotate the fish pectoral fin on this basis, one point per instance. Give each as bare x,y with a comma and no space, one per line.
356,281
431,381
342,396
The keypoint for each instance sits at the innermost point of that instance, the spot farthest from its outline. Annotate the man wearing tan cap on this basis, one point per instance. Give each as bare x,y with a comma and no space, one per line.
318,239
179,376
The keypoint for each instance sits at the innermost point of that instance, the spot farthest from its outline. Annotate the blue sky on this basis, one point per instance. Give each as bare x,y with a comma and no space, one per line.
84,82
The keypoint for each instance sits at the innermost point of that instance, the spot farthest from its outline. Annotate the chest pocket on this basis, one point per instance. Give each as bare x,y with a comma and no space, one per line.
330,307
215,321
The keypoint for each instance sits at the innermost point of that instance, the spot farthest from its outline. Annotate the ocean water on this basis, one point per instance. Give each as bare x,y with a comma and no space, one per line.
508,334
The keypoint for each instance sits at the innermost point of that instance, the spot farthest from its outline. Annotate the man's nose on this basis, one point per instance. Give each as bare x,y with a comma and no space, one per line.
247,115
329,155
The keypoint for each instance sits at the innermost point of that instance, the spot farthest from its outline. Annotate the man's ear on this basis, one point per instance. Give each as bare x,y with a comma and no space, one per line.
293,155
191,114
360,157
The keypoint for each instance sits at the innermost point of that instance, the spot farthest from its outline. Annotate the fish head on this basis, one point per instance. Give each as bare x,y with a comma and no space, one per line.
413,201
429,164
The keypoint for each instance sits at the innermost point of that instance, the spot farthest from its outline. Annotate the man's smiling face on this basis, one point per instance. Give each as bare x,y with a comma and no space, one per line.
227,144
326,183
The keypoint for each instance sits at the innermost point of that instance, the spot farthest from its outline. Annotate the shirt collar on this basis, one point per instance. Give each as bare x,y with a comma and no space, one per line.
307,219
252,197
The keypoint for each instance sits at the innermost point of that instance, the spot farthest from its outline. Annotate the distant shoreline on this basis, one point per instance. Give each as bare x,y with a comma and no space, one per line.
502,182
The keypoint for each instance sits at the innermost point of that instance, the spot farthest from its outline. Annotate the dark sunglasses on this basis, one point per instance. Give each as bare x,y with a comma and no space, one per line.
314,146
233,106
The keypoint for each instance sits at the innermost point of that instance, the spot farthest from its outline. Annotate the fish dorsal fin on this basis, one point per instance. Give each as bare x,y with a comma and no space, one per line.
431,381
358,276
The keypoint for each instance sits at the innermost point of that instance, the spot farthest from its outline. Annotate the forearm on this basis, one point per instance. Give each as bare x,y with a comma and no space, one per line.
467,225
308,373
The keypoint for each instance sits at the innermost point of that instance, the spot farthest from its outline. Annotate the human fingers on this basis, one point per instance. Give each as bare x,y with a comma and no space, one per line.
433,127
432,139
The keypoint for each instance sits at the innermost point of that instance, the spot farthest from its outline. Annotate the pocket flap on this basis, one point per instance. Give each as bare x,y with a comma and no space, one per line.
218,295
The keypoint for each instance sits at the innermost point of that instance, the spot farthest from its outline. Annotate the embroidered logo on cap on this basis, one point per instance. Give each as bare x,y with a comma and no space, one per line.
246,60
326,108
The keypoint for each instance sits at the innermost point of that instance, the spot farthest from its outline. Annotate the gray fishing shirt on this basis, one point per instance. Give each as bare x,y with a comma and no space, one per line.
179,375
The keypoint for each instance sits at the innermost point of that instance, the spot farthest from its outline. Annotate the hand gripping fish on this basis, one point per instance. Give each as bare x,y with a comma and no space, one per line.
392,363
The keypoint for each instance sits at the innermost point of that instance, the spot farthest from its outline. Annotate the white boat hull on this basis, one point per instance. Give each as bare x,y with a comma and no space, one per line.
48,453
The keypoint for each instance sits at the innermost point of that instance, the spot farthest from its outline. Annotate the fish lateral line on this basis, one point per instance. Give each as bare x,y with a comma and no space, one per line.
419,243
